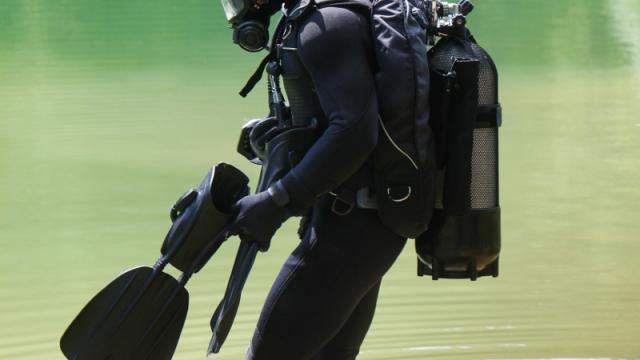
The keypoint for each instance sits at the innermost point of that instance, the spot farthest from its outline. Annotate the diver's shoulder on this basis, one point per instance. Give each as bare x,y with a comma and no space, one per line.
334,25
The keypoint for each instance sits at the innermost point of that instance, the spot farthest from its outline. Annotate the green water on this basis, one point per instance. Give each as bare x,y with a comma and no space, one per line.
110,110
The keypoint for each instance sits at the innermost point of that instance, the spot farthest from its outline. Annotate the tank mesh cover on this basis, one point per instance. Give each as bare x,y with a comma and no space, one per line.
484,168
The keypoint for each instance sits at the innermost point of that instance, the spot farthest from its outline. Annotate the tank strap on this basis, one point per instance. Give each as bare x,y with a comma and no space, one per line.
489,116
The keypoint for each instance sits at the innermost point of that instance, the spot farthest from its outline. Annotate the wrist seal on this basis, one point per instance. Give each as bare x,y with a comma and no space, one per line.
279,194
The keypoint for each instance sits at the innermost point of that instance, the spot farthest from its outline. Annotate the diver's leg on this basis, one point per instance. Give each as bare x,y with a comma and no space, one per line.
323,281
346,344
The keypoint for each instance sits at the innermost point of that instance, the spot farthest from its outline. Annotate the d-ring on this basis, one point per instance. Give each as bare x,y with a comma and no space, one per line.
409,189
344,212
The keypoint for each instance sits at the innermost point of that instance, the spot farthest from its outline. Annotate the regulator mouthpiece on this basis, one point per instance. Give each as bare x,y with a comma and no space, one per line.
251,35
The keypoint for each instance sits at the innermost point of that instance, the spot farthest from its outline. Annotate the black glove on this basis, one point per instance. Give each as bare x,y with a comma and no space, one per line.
257,218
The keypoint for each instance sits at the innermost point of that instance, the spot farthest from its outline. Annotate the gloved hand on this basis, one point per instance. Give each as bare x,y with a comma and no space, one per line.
257,218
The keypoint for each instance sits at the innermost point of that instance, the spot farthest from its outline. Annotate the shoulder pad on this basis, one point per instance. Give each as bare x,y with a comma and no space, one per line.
304,7
366,4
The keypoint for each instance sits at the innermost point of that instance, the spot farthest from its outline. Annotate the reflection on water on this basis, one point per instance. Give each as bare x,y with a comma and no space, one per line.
625,26
109,111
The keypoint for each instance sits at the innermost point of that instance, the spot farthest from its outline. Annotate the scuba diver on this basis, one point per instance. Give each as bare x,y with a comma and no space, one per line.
407,148
323,300
375,145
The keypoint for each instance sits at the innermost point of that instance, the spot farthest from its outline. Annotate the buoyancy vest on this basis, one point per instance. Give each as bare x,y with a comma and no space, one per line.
402,187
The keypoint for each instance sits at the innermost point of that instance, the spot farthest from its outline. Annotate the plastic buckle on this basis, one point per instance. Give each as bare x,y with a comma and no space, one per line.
182,203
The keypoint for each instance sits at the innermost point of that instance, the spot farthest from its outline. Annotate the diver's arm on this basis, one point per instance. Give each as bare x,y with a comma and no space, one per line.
335,47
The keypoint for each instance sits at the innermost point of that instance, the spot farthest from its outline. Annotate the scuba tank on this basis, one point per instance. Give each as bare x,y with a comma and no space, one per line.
463,239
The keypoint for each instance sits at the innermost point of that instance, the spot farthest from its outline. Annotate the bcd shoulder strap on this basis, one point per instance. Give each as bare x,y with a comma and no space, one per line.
295,14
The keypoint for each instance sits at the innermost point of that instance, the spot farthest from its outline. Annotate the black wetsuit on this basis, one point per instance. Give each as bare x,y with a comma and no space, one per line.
324,298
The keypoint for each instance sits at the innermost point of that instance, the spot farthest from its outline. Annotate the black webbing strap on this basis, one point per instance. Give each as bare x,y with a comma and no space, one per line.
272,55
489,116
257,75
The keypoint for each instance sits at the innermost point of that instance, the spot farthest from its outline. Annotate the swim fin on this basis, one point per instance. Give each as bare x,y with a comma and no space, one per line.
225,313
200,214
284,151
140,314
